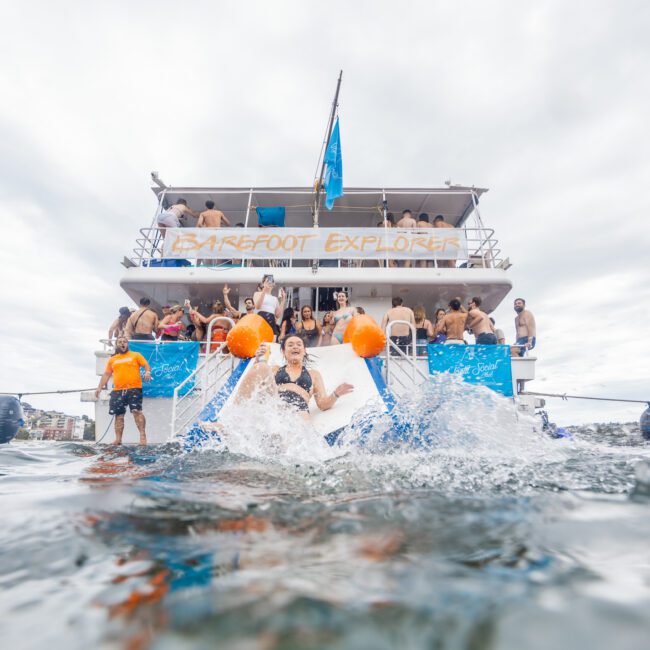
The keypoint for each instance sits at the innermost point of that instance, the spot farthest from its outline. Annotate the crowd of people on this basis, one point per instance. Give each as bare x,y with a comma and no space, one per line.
297,331
449,326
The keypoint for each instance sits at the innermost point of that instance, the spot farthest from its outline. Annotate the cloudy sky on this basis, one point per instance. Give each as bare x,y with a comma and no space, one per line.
547,105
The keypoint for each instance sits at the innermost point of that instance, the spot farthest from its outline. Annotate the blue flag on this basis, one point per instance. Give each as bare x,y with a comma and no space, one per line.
334,168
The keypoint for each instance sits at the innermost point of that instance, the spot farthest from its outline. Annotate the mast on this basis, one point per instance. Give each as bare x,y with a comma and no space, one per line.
330,126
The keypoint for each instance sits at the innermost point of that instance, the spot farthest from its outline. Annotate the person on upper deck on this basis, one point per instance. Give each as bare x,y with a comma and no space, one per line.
268,306
478,322
423,222
309,329
389,222
142,323
525,327
453,323
211,218
400,333
407,220
439,222
293,382
173,216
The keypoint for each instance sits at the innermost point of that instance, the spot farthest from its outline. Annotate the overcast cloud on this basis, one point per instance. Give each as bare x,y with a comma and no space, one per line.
546,104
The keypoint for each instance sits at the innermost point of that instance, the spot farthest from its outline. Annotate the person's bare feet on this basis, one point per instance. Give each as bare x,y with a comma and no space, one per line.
118,441
143,440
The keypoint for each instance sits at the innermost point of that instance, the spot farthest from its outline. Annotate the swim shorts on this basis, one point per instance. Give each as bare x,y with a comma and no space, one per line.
120,399
143,337
522,340
486,338
168,220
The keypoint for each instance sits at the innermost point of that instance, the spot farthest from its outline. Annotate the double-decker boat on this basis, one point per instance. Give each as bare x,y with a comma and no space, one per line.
312,253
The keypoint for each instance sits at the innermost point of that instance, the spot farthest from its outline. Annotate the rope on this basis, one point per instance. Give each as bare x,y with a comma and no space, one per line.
565,397
50,392
105,432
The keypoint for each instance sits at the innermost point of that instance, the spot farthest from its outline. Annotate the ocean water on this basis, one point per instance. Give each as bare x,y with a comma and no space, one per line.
472,531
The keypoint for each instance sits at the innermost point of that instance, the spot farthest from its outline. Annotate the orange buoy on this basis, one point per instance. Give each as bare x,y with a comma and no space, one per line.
367,338
245,338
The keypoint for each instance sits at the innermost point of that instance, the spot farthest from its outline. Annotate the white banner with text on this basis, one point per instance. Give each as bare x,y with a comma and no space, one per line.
315,243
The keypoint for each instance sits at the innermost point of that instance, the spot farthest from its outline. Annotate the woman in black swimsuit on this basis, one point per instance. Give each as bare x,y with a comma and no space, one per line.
308,328
293,383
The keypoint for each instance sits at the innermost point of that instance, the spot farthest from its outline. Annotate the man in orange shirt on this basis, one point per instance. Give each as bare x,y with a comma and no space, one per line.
127,387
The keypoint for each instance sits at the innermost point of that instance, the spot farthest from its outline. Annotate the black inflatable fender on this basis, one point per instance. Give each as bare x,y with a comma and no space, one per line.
11,417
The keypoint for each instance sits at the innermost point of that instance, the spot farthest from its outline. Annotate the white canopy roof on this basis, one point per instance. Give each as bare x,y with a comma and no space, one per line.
360,206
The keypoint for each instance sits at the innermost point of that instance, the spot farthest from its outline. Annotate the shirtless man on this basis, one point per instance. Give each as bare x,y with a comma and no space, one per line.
400,334
423,222
525,327
142,323
172,217
211,218
407,221
479,323
439,222
453,324
249,305
388,222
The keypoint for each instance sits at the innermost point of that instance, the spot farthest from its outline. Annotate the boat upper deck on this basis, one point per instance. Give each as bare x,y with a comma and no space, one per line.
369,252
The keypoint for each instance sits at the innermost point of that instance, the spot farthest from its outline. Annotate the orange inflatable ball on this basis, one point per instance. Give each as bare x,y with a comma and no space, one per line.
367,338
245,338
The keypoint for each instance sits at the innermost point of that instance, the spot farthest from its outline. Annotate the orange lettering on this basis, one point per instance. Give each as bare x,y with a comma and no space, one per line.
333,243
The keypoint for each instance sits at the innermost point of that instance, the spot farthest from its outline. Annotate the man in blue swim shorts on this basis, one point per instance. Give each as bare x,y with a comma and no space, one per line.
525,327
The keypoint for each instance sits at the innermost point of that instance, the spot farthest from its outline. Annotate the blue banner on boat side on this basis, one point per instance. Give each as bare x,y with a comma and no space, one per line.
171,363
486,365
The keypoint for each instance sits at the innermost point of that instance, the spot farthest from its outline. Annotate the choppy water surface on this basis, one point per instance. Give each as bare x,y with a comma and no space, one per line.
487,537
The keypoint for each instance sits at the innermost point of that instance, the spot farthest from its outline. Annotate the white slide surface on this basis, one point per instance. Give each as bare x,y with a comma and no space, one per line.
337,364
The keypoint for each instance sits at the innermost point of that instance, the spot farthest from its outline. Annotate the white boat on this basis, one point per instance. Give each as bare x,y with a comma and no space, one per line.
477,267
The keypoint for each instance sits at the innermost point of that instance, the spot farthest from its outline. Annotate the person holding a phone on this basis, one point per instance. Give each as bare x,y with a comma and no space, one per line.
294,383
267,305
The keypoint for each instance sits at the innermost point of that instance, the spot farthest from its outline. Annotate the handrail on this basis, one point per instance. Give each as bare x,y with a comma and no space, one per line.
203,369
392,347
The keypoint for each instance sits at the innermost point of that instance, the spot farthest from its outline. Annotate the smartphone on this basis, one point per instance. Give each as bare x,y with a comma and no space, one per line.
187,302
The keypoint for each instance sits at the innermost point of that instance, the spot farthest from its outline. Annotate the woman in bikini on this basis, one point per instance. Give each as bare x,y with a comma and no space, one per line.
171,326
326,336
293,382
342,315
423,329
288,324
308,328
220,328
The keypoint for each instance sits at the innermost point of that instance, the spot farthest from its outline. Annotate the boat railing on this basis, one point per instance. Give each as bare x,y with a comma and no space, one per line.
401,361
205,381
483,252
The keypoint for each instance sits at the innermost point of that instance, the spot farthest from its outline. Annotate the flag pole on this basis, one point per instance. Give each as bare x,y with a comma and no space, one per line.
330,126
